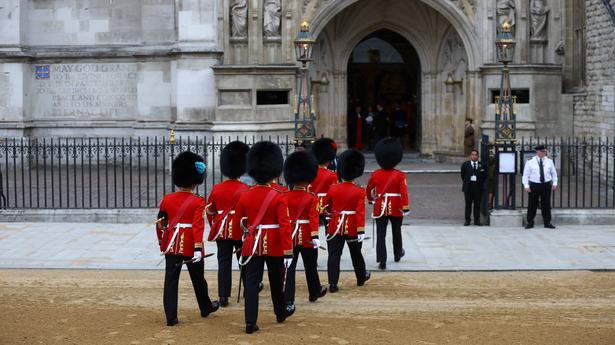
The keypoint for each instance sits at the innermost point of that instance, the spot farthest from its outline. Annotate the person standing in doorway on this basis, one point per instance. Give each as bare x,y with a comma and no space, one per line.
473,176
357,118
539,179
381,123
399,123
469,138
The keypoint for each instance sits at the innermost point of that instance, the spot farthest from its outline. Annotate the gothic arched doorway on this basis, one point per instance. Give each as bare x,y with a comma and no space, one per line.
384,80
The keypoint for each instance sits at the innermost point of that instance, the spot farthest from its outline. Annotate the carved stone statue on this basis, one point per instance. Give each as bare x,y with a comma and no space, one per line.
538,19
239,18
272,13
505,11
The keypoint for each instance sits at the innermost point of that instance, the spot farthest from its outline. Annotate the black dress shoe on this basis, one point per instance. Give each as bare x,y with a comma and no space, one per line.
321,293
382,265
529,225
478,224
172,323
466,224
223,301
549,226
251,328
333,288
215,305
261,286
368,275
403,253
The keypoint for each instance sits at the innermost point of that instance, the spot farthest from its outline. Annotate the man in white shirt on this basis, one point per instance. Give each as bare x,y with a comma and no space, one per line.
539,179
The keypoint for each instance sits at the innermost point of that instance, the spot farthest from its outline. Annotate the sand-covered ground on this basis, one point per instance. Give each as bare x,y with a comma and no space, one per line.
473,308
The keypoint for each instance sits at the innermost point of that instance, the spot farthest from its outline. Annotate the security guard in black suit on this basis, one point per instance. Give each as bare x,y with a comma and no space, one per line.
473,176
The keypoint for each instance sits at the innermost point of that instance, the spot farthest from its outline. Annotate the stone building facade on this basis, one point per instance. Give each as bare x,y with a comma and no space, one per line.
130,67
593,92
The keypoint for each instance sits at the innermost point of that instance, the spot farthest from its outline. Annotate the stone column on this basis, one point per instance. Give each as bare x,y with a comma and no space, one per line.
428,115
192,78
12,72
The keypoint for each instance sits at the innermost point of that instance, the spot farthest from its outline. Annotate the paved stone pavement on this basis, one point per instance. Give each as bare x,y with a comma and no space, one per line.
428,247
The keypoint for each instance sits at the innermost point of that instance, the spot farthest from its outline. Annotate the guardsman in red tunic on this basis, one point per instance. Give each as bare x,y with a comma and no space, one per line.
221,210
346,206
388,191
299,170
279,187
324,149
180,235
263,212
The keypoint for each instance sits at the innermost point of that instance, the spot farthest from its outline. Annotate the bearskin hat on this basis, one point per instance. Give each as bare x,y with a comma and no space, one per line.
300,166
389,153
264,161
350,165
233,159
186,172
324,149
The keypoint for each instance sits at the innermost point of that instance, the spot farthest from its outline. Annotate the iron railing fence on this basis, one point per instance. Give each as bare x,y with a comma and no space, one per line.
585,167
103,173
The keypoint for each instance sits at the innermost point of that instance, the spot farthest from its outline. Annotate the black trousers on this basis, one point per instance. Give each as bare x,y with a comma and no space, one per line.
473,196
171,284
309,256
381,232
254,275
336,246
225,262
542,192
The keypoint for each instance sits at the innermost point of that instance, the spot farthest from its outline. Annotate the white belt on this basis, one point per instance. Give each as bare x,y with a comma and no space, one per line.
339,224
257,240
298,224
172,241
385,202
320,195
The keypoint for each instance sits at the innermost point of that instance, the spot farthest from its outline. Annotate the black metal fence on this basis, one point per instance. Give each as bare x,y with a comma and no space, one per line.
585,167
102,173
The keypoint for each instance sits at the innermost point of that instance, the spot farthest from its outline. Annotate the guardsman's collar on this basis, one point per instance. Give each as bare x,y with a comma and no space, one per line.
299,188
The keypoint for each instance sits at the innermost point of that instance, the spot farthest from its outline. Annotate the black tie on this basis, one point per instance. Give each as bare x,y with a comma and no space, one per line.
542,171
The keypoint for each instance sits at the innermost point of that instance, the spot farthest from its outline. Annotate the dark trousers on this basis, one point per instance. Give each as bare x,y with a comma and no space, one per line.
542,192
225,262
336,246
381,230
473,196
171,284
254,275
309,256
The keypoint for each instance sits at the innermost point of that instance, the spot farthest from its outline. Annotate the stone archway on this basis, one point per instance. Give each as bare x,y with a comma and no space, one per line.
341,25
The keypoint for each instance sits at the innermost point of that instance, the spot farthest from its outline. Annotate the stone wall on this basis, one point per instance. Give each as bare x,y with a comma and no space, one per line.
594,108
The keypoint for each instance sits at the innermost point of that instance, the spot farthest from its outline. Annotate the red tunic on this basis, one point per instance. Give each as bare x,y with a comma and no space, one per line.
188,235
300,200
279,187
221,209
275,236
346,205
390,202
321,184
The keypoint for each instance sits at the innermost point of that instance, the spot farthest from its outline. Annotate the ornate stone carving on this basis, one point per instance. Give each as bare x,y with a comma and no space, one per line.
272,14
239,18
506,12
538,20
468,7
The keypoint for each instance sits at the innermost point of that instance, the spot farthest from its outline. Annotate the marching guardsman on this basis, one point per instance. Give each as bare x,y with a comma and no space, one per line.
299,170
324,149
263,212
220,211
179,229
345,203
388,192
